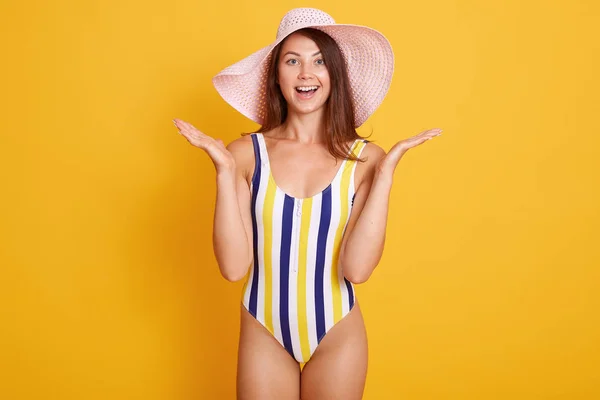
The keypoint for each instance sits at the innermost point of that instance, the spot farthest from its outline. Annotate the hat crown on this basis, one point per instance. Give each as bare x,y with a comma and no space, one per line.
299,18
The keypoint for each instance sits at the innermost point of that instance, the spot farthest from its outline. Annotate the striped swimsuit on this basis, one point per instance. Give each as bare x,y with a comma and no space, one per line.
296,288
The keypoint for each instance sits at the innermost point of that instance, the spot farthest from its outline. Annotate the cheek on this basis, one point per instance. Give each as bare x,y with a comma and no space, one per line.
325,81
283,77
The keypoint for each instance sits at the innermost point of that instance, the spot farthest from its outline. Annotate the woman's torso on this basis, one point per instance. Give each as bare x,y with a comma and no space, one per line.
296,287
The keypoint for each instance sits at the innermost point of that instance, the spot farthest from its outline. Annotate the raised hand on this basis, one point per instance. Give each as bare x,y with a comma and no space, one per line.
216,150
388,163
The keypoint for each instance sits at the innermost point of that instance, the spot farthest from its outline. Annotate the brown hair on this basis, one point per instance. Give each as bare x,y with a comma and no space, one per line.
339,108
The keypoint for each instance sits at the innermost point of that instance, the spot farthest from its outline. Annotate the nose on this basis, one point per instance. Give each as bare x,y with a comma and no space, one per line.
305,72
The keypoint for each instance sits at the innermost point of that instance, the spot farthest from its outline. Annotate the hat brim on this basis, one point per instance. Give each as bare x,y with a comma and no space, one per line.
369,60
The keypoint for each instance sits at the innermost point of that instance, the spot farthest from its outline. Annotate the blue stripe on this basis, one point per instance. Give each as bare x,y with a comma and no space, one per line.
320,263
350,294
255,186
286,241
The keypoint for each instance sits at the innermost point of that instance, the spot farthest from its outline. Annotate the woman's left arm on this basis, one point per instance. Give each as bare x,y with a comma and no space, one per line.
363,242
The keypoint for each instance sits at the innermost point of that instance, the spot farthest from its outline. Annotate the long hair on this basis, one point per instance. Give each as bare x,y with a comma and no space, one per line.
339,107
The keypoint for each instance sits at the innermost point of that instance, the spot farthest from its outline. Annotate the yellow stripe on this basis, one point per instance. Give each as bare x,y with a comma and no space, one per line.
268,206
335,278
302,267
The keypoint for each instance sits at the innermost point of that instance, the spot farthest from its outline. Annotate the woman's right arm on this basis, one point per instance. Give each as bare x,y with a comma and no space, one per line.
232,224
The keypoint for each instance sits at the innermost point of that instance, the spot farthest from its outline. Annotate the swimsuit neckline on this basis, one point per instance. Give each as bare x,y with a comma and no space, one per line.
272,178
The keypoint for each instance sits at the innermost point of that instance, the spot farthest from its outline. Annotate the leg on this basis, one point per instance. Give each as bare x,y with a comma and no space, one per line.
338,368
265,369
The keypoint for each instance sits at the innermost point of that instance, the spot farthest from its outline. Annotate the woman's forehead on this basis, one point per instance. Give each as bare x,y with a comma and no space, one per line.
299,44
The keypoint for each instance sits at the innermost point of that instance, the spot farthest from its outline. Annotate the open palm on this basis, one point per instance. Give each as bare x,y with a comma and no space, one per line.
390,161
216,150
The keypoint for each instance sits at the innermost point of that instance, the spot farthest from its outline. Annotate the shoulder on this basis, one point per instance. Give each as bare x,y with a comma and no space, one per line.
371,154
241,145
242,150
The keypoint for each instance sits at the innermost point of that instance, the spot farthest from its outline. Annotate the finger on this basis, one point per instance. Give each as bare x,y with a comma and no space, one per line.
414,142
184,126
200,141
429,137
180,124
423,135
194,136
195,131
431,132
435,131
192,128
176,125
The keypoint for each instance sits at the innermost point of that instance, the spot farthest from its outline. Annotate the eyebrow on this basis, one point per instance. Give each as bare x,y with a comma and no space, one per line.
298,55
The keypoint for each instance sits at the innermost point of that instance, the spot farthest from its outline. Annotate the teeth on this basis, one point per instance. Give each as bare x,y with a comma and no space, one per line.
307,88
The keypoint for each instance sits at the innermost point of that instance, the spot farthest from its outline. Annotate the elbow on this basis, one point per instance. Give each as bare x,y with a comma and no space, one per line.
233,266
357,278
355,270
233,276
357,275
234,273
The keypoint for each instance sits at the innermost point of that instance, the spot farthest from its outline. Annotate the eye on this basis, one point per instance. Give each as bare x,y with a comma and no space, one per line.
291,61
320,61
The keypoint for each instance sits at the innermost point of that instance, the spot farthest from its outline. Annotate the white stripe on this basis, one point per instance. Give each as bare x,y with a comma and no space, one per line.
277,219
311,260
248,287
260,201
263,149
246,294
293,282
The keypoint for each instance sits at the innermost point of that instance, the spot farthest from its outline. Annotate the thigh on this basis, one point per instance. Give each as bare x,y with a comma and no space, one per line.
338,368
265,369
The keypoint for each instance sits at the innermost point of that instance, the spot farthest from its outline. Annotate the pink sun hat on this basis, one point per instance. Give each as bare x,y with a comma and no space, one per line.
368,55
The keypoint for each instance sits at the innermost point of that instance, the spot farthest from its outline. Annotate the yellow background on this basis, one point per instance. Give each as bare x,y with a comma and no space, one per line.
489,286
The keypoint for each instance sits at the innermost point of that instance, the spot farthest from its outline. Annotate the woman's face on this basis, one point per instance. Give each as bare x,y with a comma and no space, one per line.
303,76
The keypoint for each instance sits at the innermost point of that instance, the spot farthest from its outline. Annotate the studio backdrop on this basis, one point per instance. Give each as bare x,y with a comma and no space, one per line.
489,284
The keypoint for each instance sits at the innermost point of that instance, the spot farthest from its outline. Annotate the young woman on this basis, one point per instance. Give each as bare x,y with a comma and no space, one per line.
302,204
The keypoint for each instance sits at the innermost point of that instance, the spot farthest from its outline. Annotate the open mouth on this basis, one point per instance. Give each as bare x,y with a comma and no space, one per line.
306,91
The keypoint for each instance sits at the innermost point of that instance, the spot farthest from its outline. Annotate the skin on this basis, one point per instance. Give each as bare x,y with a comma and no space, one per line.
302,167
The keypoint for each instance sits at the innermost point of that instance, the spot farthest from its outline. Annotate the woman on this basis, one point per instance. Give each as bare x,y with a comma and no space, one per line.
302,204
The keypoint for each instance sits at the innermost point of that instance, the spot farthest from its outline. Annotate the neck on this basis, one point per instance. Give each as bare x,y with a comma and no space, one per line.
304,128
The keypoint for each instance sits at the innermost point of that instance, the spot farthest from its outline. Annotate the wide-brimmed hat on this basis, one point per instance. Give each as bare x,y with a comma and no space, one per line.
368,55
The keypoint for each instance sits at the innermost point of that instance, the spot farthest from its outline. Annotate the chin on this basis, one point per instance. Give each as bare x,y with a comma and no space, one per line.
308,108
308,111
